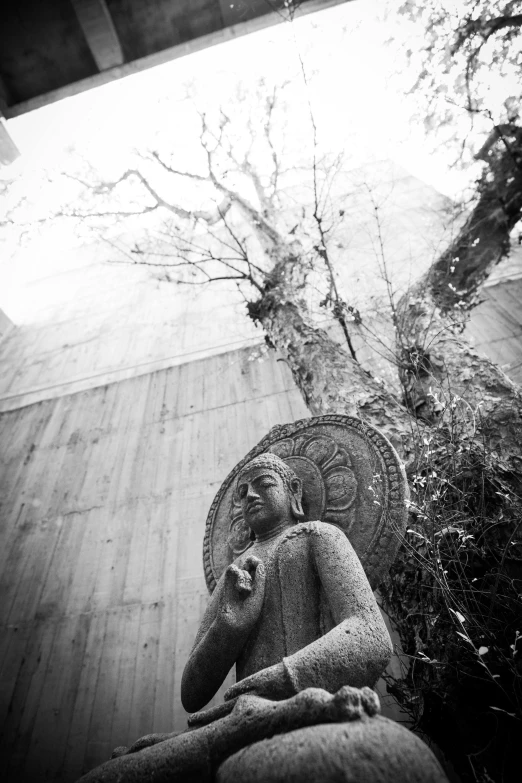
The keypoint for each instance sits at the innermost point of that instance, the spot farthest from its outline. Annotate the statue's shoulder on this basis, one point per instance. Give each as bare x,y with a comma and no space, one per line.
315,528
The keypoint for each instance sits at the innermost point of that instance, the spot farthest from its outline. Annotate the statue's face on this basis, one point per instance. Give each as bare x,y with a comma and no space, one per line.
265,500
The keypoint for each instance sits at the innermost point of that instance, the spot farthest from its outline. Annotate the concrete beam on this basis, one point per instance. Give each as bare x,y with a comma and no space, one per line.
100,33
6,325
8,149
166,55
235,11
4,97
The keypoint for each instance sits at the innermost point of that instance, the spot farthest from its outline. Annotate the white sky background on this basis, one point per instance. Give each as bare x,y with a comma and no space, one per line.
355,103
351,95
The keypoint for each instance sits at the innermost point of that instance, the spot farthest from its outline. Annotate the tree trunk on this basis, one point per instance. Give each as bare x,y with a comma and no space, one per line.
483,241
328,378
438,367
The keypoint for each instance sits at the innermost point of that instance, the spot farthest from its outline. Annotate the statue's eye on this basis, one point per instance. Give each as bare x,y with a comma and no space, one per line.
267,483
242,491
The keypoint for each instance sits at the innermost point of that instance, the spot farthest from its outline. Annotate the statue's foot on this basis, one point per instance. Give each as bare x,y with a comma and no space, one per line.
204,717
369,750
143,742
121,750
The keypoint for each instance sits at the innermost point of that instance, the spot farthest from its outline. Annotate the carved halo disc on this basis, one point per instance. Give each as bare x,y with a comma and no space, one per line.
352,478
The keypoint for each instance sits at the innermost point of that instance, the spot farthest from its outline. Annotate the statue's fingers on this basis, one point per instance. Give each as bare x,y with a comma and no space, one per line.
148,740
252,563
234,691
259,579
243,686
121,750
232,574
230,694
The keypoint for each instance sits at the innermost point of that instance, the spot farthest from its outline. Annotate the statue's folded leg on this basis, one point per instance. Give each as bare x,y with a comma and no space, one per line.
181,759
371,750
196,755
144,742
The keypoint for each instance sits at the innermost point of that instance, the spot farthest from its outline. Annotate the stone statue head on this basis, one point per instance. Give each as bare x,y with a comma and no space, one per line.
270,494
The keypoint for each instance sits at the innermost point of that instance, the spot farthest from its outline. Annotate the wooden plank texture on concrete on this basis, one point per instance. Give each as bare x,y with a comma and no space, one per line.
495,326
104,496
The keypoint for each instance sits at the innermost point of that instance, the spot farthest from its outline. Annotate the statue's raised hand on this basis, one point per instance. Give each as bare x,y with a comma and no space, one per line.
231,615
242,597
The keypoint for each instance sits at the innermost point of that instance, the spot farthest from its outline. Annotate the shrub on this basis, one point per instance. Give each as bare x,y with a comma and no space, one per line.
455,595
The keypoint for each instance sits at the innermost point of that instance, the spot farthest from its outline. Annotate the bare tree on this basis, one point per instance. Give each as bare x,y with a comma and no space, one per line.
229,216
433,313
449,49
245,236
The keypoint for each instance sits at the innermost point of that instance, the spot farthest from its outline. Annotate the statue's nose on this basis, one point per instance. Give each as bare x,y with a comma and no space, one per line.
251,494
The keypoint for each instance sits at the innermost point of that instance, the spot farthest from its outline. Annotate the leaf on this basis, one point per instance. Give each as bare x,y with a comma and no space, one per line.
409,530
448,529
460,617
483,650
499,709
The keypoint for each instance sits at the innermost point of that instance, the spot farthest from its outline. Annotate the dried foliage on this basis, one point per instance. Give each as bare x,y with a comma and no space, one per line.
465,64
455,596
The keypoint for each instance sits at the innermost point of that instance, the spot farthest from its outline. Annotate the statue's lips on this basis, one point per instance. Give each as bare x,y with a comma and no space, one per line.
254,507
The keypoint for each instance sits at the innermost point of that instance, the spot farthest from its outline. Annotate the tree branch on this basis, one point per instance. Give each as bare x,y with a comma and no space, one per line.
484,239
485,29
211,216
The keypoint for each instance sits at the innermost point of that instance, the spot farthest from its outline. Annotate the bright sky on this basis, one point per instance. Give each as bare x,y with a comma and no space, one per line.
350,95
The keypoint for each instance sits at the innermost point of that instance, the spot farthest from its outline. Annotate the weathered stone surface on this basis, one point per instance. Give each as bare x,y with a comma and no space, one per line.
313,736
351,477
372,750
144,742
196,755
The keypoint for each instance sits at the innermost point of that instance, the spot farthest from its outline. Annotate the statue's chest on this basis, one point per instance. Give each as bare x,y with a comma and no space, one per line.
295,610
294,605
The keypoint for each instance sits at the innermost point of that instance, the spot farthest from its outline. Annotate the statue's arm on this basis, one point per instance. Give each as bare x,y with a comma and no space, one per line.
356,651
208,663
229,618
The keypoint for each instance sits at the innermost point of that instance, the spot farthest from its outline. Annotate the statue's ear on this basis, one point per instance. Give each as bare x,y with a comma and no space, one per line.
296,497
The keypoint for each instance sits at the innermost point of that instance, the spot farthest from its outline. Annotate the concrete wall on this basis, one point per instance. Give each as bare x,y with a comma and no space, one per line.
5,325
104,323
104,500
495,327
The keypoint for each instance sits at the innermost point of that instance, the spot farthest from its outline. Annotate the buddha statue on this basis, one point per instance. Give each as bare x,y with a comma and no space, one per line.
294,611
296,615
